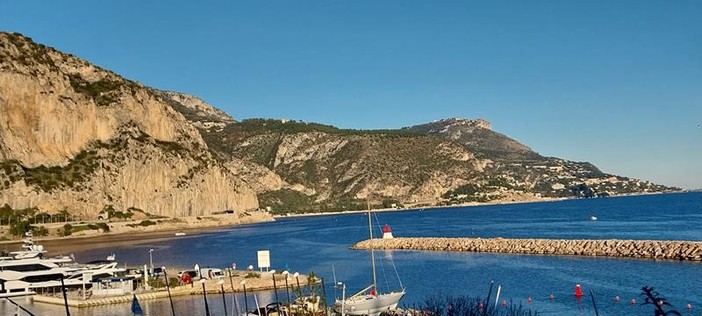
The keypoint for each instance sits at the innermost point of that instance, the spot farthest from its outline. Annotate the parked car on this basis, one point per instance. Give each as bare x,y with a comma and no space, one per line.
191,273
211,273
157,271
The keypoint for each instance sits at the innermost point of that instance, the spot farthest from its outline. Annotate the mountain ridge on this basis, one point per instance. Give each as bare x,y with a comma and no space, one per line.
82,138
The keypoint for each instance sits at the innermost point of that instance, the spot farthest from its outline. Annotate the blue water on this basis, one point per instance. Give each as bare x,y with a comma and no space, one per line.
319,243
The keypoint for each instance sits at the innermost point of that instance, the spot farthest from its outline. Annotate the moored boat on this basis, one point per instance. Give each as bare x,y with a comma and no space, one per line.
368,301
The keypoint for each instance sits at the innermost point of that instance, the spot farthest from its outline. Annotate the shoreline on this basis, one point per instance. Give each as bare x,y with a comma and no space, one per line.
118,237
469,204
380,210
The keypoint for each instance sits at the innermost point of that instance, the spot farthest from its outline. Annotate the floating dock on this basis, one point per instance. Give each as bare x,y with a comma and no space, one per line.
212,286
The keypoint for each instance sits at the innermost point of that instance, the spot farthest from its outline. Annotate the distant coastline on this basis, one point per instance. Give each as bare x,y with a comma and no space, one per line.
473,204
123,235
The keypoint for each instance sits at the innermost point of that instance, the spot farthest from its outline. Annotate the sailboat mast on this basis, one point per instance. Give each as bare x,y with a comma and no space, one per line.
370,232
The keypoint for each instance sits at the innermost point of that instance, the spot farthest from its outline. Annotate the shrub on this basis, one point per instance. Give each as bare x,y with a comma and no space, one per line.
40,231
66,230
143,223
438,305
20,227
103,226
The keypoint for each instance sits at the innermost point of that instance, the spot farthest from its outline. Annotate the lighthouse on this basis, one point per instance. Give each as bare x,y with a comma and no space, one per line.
387,233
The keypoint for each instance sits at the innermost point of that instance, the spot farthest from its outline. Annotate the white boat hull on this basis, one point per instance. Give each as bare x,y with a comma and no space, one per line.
371,305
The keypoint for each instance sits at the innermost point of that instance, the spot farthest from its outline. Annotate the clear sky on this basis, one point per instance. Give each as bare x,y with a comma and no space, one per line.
617,83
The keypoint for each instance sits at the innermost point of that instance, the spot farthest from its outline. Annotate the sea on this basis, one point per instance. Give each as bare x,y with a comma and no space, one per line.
321,244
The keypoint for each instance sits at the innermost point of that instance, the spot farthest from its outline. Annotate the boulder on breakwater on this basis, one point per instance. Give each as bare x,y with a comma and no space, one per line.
651,249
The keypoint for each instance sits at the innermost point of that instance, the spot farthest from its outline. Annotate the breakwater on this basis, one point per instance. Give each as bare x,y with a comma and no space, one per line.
651,249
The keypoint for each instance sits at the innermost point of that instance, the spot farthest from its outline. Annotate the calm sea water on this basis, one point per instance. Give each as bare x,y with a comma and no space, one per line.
319,243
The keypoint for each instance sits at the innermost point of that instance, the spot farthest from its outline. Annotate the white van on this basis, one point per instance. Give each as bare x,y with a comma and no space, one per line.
211,273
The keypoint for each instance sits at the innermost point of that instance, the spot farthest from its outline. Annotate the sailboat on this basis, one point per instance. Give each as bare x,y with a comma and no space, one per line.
368,301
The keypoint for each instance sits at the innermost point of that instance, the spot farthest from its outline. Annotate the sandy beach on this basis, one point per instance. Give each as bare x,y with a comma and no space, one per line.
129,233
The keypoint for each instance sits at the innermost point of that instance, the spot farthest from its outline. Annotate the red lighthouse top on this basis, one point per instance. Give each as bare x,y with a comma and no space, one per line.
386,228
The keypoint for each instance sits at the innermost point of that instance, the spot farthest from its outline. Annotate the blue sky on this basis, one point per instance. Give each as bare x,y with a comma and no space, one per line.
616,83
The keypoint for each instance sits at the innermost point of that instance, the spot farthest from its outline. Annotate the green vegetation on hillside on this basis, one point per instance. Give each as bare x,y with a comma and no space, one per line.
50,178
269,132
286,201
257,126
30,53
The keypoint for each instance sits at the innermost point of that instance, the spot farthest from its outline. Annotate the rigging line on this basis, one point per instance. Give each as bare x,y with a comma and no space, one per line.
385,276
18,306
397,274
387,283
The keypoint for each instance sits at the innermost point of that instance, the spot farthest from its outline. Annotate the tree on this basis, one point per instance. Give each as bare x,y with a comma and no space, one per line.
19,228
40,231
66,230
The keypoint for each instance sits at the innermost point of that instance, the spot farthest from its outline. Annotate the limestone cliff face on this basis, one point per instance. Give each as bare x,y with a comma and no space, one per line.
75,136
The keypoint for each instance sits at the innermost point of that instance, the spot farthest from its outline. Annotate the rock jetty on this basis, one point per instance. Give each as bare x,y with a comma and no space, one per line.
650,249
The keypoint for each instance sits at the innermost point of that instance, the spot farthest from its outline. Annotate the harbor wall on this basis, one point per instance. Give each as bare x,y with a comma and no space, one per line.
651,249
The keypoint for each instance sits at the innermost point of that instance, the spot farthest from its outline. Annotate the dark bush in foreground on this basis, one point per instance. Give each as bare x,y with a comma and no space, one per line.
438,305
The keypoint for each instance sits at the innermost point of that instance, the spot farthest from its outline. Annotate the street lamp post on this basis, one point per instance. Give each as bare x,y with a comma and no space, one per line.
224,302
168,287
275,288
204,296
65,298
231,282
246,302
151,261
343,298
297,278
287,290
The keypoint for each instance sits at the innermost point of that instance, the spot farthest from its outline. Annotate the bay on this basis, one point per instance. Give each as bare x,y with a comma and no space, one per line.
318,243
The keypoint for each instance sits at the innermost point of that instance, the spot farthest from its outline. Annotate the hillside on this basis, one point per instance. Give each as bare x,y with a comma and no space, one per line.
78,139
318,167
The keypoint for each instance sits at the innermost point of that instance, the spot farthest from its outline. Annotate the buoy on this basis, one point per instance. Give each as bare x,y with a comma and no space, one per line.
660,302
616,298
578,291
504,303
387,232
633,301
550,297
689,306
480,306
529,299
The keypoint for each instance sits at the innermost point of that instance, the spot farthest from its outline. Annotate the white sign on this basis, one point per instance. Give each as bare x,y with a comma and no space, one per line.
264,259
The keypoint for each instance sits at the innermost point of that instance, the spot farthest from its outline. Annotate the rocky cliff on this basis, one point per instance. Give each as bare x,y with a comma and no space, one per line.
77,137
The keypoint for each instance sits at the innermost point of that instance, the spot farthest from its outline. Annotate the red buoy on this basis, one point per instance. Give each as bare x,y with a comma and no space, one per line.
689,306
616,298
633,301
480,306
504,303
529,299
550,297
578,291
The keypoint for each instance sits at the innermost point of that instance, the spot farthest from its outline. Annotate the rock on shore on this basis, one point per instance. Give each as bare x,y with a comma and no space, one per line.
651,249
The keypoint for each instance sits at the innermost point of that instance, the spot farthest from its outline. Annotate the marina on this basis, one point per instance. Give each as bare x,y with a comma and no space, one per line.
321,244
